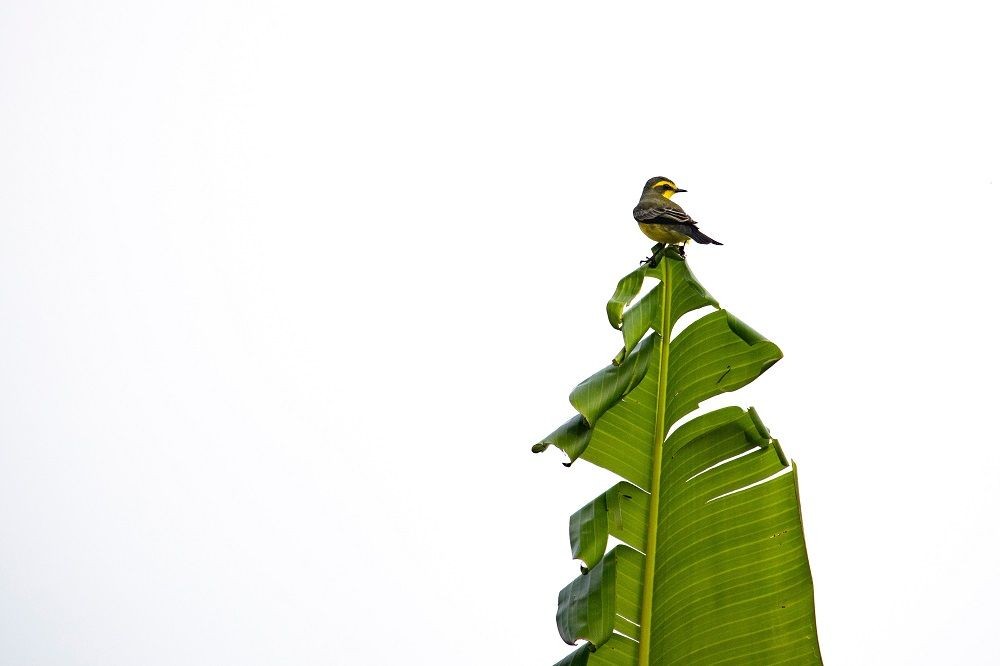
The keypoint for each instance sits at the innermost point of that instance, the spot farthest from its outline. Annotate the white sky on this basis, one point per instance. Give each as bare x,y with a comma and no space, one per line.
288,290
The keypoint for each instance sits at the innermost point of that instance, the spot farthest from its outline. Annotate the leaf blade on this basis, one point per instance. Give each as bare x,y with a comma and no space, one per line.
733,562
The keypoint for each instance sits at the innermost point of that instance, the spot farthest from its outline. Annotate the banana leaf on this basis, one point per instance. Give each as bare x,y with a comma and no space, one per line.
711,564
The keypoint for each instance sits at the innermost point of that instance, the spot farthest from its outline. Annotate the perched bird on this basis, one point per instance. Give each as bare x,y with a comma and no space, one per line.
663,220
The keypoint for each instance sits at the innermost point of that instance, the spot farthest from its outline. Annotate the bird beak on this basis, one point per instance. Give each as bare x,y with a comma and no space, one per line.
677,189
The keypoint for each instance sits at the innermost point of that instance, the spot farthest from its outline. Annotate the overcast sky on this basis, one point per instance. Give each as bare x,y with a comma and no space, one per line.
288,290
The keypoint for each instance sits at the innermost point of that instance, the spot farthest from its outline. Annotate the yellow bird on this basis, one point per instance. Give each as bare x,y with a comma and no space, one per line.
663,220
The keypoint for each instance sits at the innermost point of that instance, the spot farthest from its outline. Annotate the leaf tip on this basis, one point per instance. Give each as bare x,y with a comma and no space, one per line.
758,423
617,360
745,332
779,452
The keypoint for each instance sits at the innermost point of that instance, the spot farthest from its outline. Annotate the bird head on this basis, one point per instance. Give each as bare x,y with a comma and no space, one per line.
660,186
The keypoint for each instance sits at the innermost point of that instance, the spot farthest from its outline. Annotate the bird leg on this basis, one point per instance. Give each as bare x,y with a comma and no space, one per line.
658,250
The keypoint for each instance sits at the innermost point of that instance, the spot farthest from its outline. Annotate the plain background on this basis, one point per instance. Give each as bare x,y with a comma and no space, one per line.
288,290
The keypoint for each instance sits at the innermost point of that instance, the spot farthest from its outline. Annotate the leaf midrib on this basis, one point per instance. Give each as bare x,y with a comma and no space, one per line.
659,435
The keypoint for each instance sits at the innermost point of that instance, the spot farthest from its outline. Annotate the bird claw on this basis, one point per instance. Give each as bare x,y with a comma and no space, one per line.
660,251
653,260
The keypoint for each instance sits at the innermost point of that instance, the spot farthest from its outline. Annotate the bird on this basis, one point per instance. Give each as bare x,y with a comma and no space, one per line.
663,220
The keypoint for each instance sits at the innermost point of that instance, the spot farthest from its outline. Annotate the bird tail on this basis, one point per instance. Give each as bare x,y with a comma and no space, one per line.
699,237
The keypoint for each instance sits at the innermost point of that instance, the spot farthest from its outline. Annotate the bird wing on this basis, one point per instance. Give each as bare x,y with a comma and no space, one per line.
662,213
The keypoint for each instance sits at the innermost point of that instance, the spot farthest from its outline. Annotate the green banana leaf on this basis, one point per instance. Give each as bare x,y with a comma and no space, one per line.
711,567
